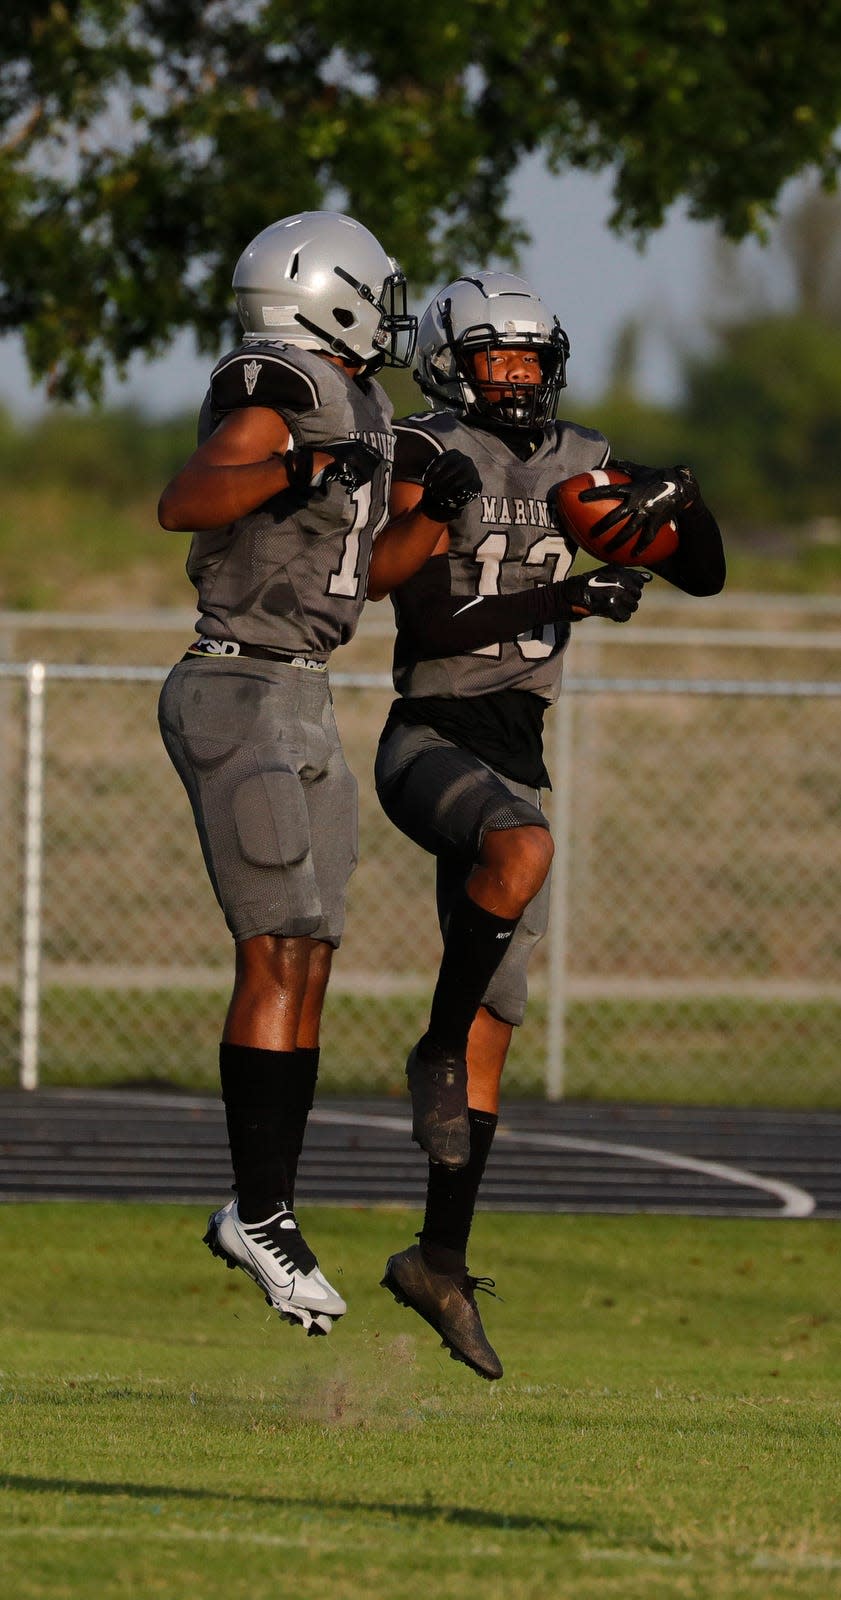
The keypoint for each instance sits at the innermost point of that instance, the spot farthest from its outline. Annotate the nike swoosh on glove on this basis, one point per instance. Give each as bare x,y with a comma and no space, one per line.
612,592
655,495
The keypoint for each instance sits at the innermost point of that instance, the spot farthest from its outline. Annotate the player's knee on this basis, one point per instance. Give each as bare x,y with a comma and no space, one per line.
521,857
270,961
540,847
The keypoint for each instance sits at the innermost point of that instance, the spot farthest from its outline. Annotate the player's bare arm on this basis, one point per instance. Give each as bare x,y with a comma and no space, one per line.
240,467
407,541
419,516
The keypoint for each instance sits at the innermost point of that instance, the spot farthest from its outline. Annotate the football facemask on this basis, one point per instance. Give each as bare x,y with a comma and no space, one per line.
474,316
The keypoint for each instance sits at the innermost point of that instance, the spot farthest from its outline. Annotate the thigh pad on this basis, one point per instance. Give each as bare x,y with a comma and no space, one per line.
270,816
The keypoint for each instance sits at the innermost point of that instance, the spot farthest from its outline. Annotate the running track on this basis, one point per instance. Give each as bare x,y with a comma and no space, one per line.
123,1145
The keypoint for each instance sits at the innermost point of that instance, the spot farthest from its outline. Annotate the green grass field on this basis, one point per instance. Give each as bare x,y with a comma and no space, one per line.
669,1423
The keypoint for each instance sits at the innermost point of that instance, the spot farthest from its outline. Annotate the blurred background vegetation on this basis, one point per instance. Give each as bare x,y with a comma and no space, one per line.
756,412
141,145
80,489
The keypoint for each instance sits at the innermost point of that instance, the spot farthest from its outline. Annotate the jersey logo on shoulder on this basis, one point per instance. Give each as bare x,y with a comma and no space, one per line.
251,372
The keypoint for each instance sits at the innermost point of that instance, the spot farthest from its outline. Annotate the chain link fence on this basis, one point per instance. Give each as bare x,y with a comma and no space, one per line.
695,948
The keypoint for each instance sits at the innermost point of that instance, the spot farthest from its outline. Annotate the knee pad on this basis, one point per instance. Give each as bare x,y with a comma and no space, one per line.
508,990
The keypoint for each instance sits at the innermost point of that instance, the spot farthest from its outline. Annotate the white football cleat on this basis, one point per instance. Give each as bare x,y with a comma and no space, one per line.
275,1254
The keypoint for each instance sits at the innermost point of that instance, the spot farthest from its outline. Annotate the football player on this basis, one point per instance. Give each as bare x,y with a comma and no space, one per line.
481,631
284,496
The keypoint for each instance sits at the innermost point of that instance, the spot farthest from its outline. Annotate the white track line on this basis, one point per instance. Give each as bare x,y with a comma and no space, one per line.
794,1202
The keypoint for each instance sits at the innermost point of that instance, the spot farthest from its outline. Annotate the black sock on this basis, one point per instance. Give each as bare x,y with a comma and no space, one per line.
267,1095
306,1073
475,944
451,1199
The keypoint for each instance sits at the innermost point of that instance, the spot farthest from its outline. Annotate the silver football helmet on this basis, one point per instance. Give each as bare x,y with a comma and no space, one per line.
489,311
321,281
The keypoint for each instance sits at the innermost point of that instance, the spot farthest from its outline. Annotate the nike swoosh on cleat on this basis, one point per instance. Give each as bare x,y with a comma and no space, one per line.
280,1290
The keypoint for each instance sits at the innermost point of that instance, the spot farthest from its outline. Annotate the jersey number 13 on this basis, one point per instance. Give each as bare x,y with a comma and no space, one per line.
490,555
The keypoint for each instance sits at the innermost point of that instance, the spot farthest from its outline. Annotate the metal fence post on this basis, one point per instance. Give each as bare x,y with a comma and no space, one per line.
33,850
558,906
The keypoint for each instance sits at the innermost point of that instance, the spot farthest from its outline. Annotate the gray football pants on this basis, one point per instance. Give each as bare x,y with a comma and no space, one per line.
256,746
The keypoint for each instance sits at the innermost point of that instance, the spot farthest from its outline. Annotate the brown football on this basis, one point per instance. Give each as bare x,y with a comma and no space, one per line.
579,520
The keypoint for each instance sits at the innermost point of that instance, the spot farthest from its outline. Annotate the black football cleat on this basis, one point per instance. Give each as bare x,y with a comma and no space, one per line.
438,1087
446,1301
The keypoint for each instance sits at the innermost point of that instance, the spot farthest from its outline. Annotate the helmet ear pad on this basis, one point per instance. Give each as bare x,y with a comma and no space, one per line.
444,367
344,317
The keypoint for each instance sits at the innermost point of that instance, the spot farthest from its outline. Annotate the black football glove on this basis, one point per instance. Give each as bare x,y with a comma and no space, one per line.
298,464
613,592
655,495
353,464
450,482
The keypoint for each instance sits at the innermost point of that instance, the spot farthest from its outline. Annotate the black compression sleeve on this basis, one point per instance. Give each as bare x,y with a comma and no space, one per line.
442,624
698,565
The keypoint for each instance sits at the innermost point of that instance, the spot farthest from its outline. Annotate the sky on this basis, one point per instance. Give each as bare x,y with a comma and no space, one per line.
593,279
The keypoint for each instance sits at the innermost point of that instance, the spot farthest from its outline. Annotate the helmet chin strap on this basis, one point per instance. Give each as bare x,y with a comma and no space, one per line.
364,290
336,345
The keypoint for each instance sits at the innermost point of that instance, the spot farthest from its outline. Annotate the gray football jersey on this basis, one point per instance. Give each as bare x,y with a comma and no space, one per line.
504,541
292,574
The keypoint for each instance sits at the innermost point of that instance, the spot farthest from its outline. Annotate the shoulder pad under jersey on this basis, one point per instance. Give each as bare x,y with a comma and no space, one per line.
273,376
415,446
438,427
